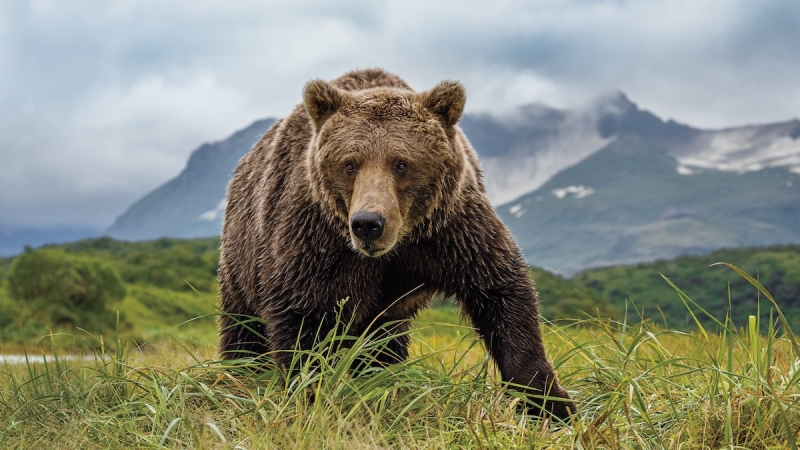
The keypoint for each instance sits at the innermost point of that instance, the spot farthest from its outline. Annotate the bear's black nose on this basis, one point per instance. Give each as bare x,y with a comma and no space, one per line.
367,226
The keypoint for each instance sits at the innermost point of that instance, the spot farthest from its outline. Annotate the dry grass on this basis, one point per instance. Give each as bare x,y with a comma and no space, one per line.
638,387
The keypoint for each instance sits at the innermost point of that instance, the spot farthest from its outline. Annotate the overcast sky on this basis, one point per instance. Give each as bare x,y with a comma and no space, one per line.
102,101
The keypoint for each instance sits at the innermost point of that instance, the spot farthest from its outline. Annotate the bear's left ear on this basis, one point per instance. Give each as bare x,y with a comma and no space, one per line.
321,100
446,100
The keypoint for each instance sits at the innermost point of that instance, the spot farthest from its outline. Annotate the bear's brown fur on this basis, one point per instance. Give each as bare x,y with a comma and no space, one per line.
369,190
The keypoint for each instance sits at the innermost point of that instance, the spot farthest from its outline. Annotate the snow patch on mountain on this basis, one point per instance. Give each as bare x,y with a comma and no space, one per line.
683,170
212,214
576,191
744,149
517,210
533,162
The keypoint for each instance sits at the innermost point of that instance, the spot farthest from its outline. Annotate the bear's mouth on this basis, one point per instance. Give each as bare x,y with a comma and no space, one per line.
370,249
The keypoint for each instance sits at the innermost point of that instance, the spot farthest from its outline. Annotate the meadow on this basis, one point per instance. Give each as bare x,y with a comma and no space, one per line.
637,384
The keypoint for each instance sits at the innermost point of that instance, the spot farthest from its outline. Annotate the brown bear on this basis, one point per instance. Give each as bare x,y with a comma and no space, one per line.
369,190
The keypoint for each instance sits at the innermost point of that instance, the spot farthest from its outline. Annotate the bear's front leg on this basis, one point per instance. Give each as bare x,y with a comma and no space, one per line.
506,316
492,286
242,332
241,336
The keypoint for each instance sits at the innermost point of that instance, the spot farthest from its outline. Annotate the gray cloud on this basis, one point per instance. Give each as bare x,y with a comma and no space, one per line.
102,101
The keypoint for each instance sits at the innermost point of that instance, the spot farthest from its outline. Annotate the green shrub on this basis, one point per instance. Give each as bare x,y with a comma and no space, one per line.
62,289
565,299
713,287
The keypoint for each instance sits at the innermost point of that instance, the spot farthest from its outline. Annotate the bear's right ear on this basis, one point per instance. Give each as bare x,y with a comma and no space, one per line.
321,100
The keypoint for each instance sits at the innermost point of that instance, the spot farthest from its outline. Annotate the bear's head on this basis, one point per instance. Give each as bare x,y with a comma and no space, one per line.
383,159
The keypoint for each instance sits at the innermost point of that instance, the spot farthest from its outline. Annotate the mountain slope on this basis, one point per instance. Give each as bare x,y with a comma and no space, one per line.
190,205
521,152
628,203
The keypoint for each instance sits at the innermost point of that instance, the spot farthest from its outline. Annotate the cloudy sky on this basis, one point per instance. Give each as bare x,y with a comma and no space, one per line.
102,101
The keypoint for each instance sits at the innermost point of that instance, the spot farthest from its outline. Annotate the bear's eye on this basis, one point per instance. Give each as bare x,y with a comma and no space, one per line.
401,167
350,168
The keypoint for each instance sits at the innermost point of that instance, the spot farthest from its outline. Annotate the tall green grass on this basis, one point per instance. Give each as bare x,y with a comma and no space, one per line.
638,386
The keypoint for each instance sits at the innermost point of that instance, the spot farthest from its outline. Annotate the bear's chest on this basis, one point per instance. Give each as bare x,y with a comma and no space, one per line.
382,289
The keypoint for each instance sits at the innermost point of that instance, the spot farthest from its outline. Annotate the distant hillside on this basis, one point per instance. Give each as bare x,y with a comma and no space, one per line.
190,205
777,268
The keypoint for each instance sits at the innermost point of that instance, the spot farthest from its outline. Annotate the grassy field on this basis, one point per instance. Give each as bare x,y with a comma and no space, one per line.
168,282
638,386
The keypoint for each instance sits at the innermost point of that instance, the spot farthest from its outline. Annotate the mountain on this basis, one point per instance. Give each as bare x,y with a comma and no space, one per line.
190,205
522,151
628,203
660,189
606,184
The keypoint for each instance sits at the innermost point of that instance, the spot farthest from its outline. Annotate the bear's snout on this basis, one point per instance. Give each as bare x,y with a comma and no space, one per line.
367,226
